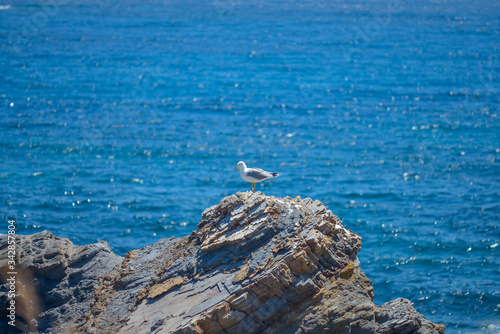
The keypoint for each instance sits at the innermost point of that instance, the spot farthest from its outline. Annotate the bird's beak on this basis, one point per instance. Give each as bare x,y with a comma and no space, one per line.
236,169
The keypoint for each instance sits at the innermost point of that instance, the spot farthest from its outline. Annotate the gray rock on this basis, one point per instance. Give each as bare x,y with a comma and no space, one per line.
55,281
256,264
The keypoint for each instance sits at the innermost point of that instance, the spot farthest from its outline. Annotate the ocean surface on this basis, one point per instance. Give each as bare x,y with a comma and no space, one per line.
122,121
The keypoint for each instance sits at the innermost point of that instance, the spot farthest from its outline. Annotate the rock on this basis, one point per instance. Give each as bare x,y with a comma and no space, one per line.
399,316
256,264
55,281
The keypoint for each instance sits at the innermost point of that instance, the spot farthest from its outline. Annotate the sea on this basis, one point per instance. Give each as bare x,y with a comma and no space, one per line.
123,120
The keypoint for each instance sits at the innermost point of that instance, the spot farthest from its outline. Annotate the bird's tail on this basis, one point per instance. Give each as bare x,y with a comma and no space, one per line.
275,174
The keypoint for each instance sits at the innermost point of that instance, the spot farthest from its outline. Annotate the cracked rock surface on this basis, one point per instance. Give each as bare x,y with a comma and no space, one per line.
256,264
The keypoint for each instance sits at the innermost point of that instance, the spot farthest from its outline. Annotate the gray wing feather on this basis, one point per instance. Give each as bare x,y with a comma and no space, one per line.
259,174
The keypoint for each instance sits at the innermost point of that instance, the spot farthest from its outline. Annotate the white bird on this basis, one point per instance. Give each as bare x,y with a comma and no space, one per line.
254,175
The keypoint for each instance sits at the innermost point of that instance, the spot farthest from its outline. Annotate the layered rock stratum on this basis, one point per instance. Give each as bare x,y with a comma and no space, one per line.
256,264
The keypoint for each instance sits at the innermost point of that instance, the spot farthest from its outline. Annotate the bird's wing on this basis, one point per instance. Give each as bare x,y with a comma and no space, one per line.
258,174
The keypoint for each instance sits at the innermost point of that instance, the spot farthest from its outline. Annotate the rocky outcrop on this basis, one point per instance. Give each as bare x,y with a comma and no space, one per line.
54,281
256,264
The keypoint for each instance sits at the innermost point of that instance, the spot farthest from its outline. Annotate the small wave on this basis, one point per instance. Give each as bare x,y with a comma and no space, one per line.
4,7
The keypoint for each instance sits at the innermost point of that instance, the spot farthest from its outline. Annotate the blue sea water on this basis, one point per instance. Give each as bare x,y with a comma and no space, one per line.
122,121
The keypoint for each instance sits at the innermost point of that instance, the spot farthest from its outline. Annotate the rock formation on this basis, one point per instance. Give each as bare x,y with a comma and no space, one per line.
54,282
256,264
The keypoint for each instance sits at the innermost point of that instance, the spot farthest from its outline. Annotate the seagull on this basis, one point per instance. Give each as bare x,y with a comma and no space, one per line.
254,175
